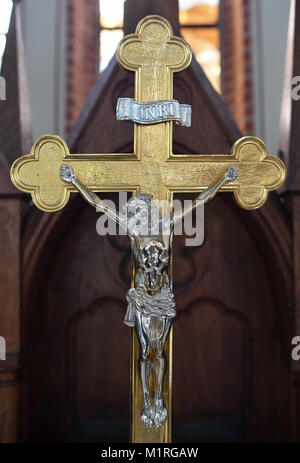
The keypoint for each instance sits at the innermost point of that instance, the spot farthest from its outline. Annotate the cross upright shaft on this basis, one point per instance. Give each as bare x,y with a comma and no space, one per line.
153,54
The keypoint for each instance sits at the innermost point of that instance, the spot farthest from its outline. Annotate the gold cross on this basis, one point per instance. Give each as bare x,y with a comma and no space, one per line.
153,53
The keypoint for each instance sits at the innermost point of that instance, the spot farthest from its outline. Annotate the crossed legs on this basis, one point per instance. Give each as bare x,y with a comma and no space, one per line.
152,334
161,412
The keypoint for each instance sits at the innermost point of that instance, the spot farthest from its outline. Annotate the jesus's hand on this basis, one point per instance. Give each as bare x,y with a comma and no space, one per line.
67,174
231,174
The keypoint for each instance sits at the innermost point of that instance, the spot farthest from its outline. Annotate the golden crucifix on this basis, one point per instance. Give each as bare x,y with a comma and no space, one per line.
153,53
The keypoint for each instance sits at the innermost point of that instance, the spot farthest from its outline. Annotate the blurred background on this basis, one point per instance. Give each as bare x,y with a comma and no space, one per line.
240,45
62,286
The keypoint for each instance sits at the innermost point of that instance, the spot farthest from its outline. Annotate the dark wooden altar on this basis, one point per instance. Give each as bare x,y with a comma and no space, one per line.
232,375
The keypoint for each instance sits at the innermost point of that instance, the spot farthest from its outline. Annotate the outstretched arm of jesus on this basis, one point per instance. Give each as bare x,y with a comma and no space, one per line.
67,175
208,194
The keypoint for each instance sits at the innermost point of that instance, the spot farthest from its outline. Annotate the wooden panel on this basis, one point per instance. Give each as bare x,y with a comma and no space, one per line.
231,375
94,379
225,347
83,339
10,219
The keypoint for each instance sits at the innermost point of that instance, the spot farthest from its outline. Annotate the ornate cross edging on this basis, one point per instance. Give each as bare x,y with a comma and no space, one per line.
38,173
154,54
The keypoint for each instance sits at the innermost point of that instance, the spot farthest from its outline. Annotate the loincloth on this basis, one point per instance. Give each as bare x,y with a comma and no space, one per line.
161,305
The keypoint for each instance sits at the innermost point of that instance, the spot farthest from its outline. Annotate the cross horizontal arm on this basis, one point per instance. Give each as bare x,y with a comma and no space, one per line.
38,173
250,188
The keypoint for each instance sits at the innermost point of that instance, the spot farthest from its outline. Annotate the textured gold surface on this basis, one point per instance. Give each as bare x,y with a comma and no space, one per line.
38,173
153,53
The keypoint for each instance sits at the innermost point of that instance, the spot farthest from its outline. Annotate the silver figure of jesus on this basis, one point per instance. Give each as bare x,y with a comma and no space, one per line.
151,303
